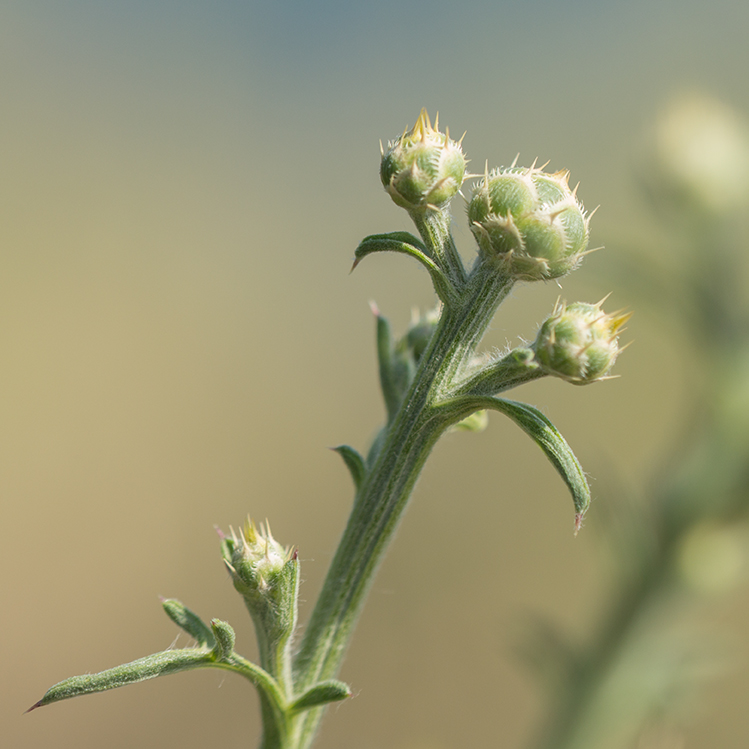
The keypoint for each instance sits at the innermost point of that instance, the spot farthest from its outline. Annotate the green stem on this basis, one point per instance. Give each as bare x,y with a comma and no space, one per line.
384,494
434,227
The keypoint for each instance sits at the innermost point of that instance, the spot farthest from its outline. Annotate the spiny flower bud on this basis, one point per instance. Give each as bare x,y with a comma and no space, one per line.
423,168
530,222
265,573
579,342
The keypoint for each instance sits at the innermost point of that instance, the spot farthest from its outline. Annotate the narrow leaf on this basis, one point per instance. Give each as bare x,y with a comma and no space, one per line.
388,382
540,429
321,694
189,621
403,237
354,462
160,664
407,244
555,447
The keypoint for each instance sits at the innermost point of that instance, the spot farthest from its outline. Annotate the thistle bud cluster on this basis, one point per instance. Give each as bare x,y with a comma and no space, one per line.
579,342
266,574
424,168
529,222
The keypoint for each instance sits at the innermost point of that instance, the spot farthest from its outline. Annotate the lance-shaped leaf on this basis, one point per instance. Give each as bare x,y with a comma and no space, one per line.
159,664
354,462
163,664
395,373
543,433
555,447
321,694
407,244
190,622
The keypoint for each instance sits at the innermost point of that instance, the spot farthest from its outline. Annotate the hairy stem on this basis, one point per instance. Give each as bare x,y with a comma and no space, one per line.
384,494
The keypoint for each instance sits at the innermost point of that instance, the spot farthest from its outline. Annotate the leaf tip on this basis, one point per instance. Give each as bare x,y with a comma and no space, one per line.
34,706
579,517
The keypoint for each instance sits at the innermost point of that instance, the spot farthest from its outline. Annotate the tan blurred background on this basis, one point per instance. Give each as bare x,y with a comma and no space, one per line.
182,186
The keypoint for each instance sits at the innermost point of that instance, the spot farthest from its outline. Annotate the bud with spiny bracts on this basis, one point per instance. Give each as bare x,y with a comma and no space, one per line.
529,222
266,574
424,168
579,342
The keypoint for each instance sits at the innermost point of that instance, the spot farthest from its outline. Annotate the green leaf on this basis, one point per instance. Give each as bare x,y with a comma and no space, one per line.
407,244
540,429
190,622
391,391
369,244
555,447
354,462
160,664
225,638
321,694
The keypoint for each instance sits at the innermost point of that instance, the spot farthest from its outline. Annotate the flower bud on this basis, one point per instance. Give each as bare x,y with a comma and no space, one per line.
266,575
420,332
579,342
423,168
530,222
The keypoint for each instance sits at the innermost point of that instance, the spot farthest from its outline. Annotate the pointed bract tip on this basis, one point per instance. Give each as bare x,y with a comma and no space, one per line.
375,309
600,304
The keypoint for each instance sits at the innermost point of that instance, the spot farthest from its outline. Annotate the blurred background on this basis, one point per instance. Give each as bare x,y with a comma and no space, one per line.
183,187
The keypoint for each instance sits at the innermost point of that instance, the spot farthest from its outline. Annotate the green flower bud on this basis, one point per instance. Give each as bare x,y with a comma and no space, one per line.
529,222
266,574
420,332
423,168
579,342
